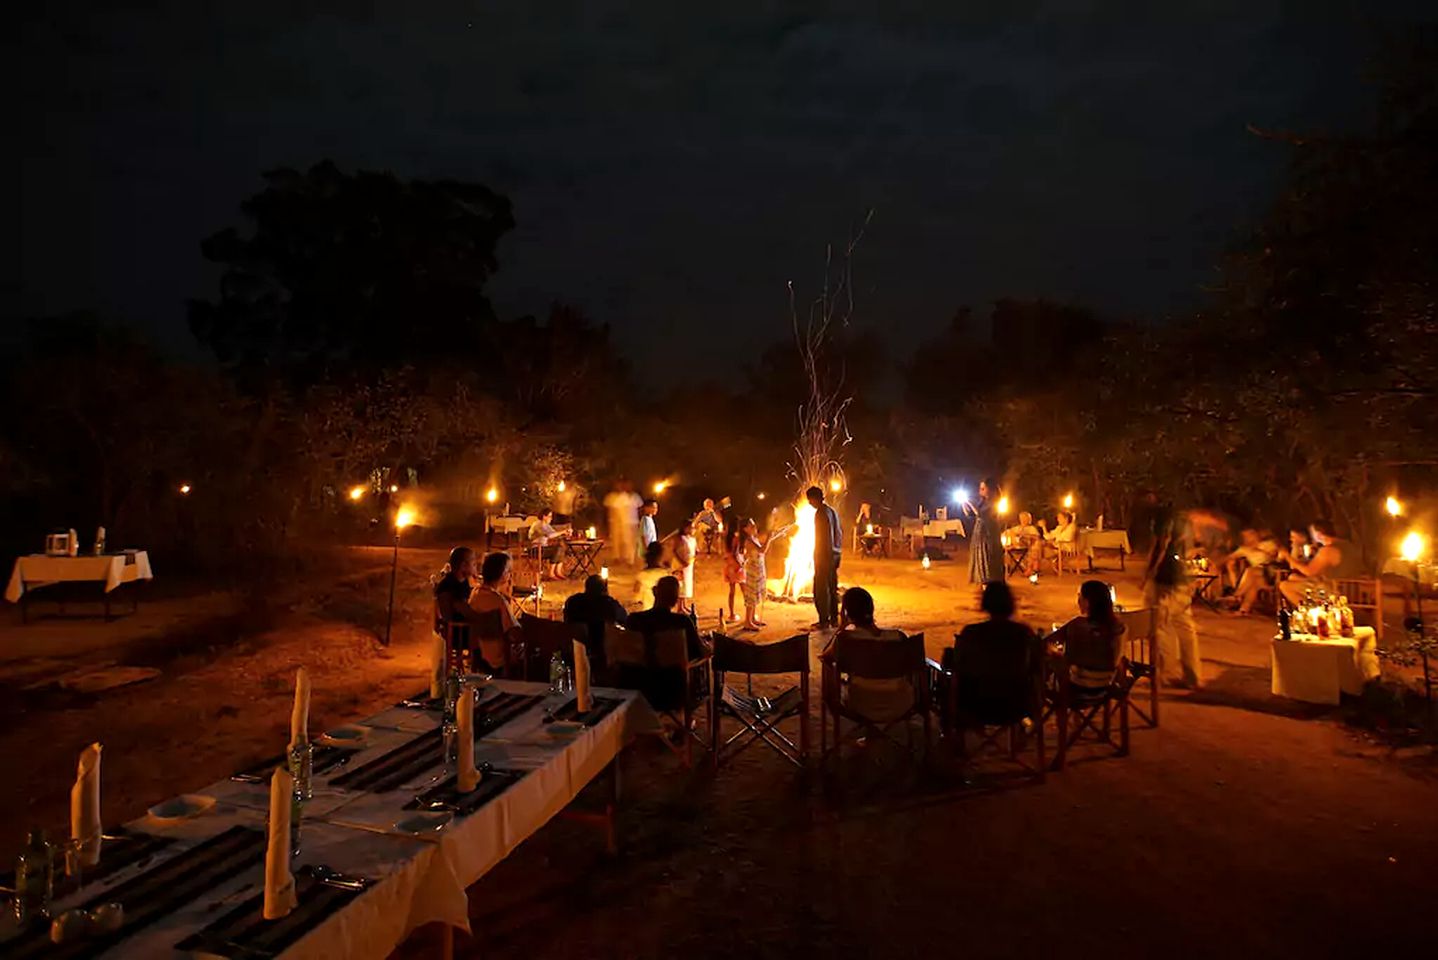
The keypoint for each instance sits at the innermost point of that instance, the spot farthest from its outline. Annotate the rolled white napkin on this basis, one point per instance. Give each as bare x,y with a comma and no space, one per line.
468,772
300,716
279,881
85,827
581,676
438,654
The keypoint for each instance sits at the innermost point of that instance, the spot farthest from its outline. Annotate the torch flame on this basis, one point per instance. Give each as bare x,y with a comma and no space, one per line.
1068,501
561,486
1393,507
1003,506
356,493
404,517
492,495
1413,546
185,489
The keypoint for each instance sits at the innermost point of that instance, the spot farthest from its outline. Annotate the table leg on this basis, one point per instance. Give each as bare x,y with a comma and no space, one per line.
446,942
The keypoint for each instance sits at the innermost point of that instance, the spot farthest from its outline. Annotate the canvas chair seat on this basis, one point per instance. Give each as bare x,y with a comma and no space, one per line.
660,667
759,716
868,658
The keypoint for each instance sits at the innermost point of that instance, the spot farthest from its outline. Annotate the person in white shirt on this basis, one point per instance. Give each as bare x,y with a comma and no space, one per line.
548,542
648,532
623,506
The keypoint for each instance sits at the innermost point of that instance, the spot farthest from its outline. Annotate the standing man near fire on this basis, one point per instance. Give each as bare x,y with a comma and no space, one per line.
828,547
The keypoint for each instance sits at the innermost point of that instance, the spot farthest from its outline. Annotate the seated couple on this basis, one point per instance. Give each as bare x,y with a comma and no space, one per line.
484,609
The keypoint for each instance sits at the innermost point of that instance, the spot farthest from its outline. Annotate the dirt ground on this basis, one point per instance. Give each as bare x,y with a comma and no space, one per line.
1245,825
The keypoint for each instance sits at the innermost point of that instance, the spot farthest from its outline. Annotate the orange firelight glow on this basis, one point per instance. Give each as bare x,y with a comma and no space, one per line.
835,485
185,489
404,517
491,495
799,566
356,493
1413,547
394,488
1394,507
1068,501
660,486
560,486
1003,506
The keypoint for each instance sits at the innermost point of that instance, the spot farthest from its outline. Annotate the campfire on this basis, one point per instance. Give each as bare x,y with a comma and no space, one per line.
798,581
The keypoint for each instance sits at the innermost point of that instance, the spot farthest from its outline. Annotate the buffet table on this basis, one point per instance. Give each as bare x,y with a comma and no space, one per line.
1318,671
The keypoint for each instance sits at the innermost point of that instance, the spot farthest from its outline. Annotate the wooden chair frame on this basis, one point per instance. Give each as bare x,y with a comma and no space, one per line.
1063,701
759,716
958,725
1365,593
1141,635
542,639
668,648
872,659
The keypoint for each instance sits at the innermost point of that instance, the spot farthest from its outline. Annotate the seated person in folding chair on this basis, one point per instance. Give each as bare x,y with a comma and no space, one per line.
994,648
662,687
494,575
549,544
1258,551
452,592
1336,559
646,579
1061,536
1092,640
879,700
594,608
1025,534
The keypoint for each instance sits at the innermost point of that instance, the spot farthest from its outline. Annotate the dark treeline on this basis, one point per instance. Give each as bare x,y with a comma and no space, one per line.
352,344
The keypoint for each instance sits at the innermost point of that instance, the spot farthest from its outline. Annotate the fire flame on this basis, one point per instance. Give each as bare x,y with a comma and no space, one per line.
356,493
799,567
1412,547
1393,507
404,517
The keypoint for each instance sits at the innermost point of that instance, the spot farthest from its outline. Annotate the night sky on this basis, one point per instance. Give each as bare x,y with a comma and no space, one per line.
671,170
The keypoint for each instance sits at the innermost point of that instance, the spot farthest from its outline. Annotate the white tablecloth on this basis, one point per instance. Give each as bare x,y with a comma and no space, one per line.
372,925
419,879
1317,671
1088,541
38,570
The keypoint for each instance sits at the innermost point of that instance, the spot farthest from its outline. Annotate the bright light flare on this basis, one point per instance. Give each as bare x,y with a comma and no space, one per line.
394,488
591,534
660,486
762,494
835,485
1034,579
560,486
960,495
1413,547
184,489
604,574
1003,506
1393,506
868,529
1068,501
924,562
356,493
404,517
492,495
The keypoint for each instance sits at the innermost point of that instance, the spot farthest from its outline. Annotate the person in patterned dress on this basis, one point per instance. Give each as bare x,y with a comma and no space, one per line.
986,551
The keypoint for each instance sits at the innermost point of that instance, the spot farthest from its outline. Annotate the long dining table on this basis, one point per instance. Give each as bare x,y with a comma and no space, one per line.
387,843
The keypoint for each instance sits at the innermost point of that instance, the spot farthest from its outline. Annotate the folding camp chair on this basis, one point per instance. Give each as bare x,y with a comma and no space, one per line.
543,639
1140,633
760,716
659,666
1078,711
993,696
868,658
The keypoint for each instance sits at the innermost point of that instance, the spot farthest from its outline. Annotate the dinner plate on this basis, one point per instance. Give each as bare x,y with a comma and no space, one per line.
350,735
183,807
427,822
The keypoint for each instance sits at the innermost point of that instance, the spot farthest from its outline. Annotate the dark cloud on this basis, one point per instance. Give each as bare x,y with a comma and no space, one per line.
671,165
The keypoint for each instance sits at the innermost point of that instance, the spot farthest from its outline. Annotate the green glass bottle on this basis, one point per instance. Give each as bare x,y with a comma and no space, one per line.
34,879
